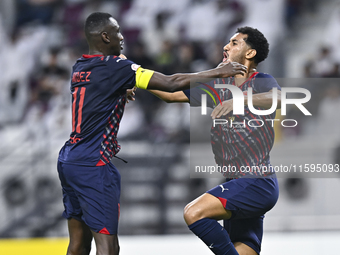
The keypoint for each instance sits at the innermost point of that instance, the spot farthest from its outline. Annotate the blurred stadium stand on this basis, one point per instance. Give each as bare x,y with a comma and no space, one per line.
40,40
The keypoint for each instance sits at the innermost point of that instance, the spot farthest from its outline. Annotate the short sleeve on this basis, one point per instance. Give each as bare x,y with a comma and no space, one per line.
123,72
265,82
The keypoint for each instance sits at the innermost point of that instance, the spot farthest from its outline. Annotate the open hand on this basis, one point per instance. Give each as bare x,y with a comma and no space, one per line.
232,68
130,94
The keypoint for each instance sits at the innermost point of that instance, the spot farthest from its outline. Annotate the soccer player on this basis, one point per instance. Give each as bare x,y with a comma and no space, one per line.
90,182
245,197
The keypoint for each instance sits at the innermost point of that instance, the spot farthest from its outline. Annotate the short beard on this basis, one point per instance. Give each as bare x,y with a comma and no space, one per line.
239,59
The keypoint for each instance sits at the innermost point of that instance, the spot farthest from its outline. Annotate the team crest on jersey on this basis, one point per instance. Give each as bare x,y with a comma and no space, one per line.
134,67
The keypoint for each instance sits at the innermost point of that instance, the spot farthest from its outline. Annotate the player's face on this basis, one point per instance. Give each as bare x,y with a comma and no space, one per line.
236,49
116,38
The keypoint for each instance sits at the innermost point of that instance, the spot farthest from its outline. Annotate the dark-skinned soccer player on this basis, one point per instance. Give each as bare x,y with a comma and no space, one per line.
90,182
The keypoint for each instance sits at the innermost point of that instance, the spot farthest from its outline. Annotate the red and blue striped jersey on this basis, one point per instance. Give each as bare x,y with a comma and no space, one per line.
98,89
240,145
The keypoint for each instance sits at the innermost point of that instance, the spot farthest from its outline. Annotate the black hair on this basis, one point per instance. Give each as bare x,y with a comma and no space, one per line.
96,22
257,41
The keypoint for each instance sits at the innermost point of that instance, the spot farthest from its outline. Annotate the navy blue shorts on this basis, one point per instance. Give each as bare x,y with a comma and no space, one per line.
91,194
248,199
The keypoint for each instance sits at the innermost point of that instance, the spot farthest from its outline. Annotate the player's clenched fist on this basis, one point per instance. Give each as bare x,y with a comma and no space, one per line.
232,68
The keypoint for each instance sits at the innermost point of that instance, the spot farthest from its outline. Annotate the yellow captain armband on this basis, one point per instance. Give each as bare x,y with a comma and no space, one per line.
143,77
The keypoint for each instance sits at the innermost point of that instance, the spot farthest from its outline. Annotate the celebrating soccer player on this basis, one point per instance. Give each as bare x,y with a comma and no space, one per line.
246,196
90,182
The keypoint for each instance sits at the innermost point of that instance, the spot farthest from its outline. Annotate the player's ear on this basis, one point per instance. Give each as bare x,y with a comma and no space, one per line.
105,37
250,53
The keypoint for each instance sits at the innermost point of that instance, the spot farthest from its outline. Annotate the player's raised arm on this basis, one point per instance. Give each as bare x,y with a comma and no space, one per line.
147,79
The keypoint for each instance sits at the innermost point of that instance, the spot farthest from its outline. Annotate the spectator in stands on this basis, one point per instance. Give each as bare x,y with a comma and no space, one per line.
35,10
218,16
50,81
324,64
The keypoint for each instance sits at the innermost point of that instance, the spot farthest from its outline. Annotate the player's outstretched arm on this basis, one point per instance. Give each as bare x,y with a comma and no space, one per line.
178,82
168,97
263,100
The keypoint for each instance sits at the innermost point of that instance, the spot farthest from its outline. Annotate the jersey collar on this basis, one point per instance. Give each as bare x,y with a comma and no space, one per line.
252,76
91,56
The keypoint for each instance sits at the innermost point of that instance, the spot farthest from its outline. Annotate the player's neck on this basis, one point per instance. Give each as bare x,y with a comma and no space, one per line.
98,50
240,79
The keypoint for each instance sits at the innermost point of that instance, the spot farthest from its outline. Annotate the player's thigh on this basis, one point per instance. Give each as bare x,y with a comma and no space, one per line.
80,237
106,244
205,206
72,208
98,192
244,249
247,197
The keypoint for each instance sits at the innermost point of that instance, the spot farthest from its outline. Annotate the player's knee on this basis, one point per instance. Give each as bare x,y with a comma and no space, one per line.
108,248
192,213
76,248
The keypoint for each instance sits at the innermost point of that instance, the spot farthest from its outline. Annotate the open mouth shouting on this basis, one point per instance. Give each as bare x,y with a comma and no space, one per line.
225,56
